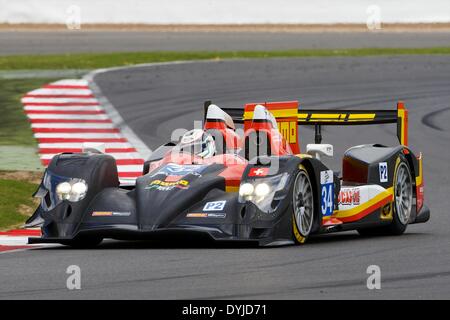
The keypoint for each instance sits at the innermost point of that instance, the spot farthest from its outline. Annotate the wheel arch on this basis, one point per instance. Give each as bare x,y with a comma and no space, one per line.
413,166
313,168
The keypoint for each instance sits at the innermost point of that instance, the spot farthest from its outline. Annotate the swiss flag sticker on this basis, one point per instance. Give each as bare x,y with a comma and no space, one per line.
258,172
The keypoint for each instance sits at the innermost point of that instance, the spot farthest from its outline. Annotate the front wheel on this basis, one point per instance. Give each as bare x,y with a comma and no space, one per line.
302,205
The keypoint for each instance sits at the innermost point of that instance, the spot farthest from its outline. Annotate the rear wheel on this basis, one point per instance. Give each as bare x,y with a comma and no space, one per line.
403,202
302,205
403,193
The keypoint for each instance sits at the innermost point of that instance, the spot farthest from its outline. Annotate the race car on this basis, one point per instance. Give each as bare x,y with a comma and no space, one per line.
250,184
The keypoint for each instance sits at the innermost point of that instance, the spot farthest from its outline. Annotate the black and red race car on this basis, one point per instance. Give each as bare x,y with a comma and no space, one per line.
228,184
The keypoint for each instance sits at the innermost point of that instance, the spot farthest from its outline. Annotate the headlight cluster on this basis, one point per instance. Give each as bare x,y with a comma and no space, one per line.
55,188
72,190
255,192
262,191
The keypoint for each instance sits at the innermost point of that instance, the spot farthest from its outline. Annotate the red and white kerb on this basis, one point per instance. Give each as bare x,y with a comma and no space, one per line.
65,114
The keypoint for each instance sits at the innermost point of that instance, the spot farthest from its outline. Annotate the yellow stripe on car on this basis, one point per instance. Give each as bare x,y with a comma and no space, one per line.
281,113
327,116
362,116
337,117
231,189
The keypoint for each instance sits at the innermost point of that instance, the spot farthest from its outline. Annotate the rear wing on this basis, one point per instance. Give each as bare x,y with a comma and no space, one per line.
288,111
320,118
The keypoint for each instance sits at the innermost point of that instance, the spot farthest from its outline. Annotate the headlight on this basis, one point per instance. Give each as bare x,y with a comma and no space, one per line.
58,188
74,190
262,190
79,188
63,190
246,190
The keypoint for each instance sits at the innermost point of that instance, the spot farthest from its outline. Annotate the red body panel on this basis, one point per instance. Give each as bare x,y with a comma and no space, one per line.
285,113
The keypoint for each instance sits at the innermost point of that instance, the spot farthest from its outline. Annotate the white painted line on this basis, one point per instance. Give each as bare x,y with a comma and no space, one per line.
69,116
79,136
74,125
48,91
117,119
19,241
127,181
121,145
74,113
79,144
71,82
115,116
130,168
115,155
13,240
63,108
26,100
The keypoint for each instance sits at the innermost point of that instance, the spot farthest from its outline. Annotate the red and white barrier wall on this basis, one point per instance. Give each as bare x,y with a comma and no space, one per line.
65,114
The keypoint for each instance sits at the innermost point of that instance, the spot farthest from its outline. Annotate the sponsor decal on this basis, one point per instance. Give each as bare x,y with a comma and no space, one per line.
350,197
111,214
326,177
258,172
205,215
173,178
288,130
327,192
173,169
217,215
215,205
167,185
383,167
196,215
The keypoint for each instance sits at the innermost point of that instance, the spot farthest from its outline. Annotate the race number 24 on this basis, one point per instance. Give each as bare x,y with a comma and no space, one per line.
327,192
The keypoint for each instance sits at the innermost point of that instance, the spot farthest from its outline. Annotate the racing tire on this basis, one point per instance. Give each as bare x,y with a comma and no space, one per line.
84,243
302,206
402,205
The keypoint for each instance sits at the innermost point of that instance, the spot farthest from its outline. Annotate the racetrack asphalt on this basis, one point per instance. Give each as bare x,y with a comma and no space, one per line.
39,42
154,100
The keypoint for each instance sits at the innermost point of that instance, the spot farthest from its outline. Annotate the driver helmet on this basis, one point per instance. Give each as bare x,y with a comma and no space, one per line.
198,142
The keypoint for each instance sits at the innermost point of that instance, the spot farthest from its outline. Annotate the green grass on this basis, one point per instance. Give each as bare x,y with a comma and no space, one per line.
103,60
15,202
14,127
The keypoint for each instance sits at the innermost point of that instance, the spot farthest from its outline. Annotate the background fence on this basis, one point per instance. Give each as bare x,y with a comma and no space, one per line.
223,11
